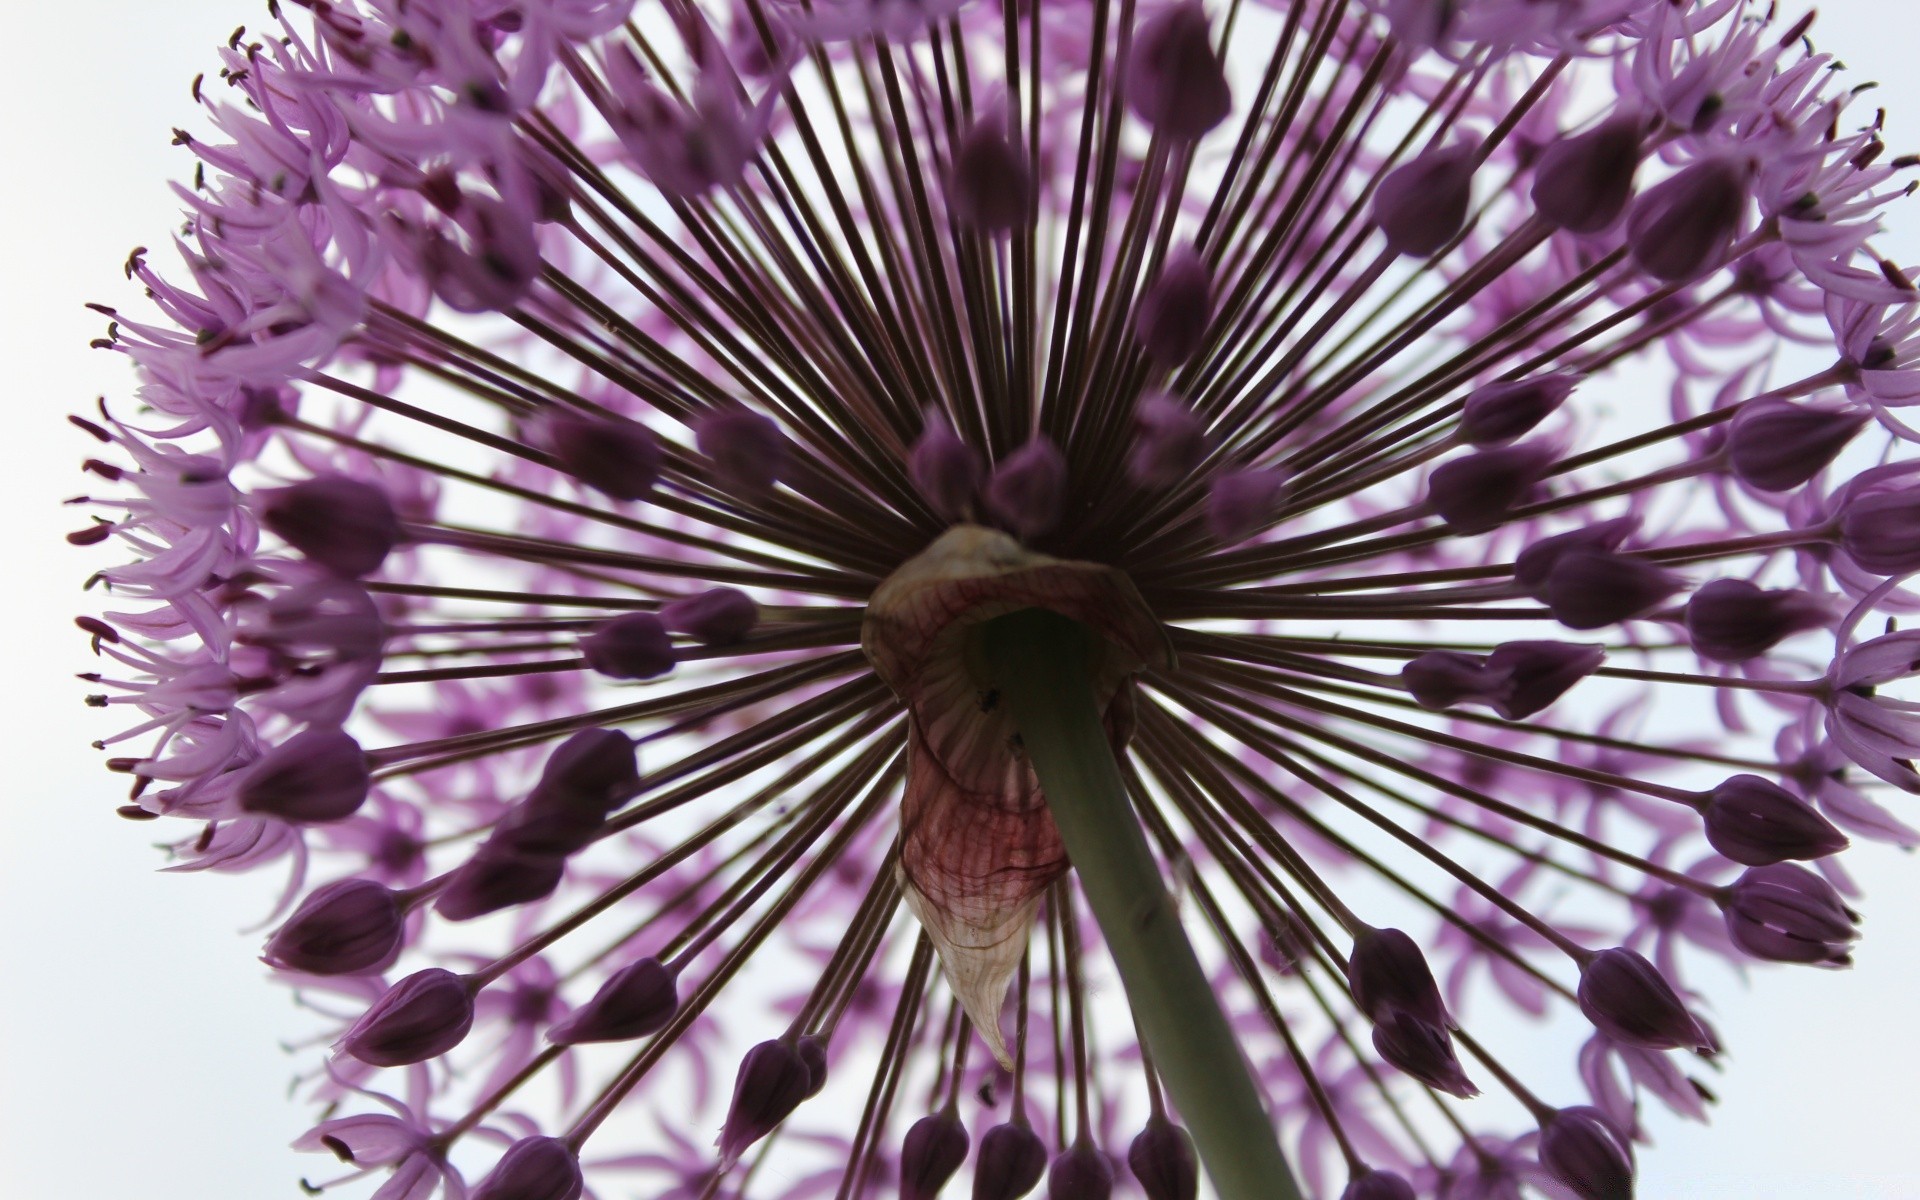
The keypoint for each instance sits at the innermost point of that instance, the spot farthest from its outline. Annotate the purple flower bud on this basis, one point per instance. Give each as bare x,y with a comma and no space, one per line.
1590,589
1880,531
944,468
1422,204
1627,998
1500,412
1536,674
1534,564
1174,310
341,524
347,927
595,771
315,775
813,1056
1582,183
620,458
1581,1148
637,1000
1785,913
1028,488
1475,492
421,1017
1169,442
716,617
934,1149
496,266
1387,973
1011,1160
1378,1185
1731,620
634,646
1422,23
1080,1172
772,1082
1777,445
991,188
1175,82
1424,1051
1755,822
499,875
1440,679
748,452
1684,226
1240,503
1162,1158
534,1168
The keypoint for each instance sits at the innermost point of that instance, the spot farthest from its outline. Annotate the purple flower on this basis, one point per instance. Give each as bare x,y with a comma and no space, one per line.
553,386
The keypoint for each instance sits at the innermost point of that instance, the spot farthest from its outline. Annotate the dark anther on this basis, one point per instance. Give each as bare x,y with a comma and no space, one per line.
133,812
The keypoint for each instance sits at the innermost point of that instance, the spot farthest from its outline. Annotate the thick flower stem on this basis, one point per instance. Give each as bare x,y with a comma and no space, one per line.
1038,662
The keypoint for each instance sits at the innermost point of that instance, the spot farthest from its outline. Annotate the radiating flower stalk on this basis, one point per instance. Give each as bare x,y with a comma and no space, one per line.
1441,463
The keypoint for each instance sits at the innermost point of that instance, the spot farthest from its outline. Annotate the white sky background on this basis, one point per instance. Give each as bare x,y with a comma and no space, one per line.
138,1035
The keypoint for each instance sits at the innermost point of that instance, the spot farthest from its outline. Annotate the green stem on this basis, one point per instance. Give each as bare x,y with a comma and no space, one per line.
1039,662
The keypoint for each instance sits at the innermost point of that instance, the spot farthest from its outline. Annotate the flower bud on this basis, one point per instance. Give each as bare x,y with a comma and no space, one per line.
716,617
1535,673
1241,503
1777,445
1422,1050
1169,442
1627,998
634,646
991,188
423,1016
1010,1162
1535,564
595,771
1028,488
1683,227
1500,412
534,1168
1422,23
499,875
1386,972
1731,620
772,1082
813,1056
1378,1185
1880,531
1581,1148
637,1000
347,927
1175,82
1591,589
1080,1172
1582,183
944,468
933,1150
1162,1159
315,775
1422,204
616,457
1785,913
748,453
1755,822
1175,309
1440,679
344,525
1475,492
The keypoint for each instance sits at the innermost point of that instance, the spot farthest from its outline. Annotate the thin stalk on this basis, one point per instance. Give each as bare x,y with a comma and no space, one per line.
1039,662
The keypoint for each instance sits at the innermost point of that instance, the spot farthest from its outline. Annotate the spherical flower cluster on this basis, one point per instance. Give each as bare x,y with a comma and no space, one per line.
589,442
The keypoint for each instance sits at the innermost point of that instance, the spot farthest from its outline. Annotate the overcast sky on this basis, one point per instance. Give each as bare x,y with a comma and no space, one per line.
138,1037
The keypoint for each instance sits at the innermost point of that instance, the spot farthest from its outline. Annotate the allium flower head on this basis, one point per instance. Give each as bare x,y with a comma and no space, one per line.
590,454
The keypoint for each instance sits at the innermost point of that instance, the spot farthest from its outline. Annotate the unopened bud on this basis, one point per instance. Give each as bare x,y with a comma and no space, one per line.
1582,183
1627,998
772,1082
1534,564
315,775
423,1016
1080,1172
1755,822
1591,589
637,1000
1162,1159
1683,227
1011,1161
1028,488
616,457
347,927
1777,445
344,525
1422,204
716,617
634,646
991,188
1731,620
1581,1148
748,453
1241,503
1475,493
1169,442
1387,972
1175,82
534,1168
595,771
1378,1185
1500,412
1175,309
933,1150
1785,913
944,468
1422,1050
1880,531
